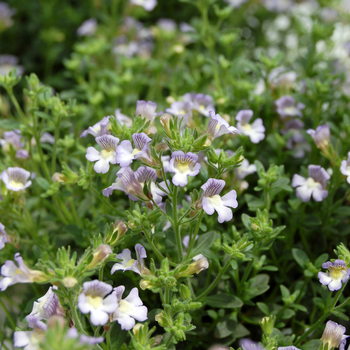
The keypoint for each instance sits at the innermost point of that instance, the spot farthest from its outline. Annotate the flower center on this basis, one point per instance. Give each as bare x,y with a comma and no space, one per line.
130,263
36,337
247,127
95,301
182,167
215,200
336,272
290,110
18,272
105,154
124,306
311,183
135,151
16,184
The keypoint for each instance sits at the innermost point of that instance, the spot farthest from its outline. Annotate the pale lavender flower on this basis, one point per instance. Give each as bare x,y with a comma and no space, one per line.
47,305
314,185
287,107
130,309
88,27
6,12
183,165
47,138
212,201
30,340
201,103
108,145
235,3
248,344
255,131
13,274
167,24
83,339
3,236
122,118
166,163
278,5
126,153
218,126
22,154
92,300
98,129
148,5
297,140
282,78
16,179
321,136
290,347
245,169
9,62
131,264
334,336
146,110
181,109
13,138
345,168
337,274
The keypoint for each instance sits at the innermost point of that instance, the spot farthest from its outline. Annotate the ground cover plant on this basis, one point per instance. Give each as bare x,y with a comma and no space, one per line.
174,174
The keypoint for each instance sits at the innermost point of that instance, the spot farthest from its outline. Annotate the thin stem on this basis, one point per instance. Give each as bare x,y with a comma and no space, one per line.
17,106
156,251
54,152
193,238
109,205
176,226
8,314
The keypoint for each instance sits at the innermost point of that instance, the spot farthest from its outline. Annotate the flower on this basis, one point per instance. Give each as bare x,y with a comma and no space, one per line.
108,145
21,274
345,168
218,126
148,5
248,344
333,336
13,138
3,236
337,273
286,106
132,184
83,339
321,136
200,263
314,185
212,201
101,253
126,154
235,3
88,27
122,118
130,309
297,140
245,169
277,5
282,78
201,103
9,62
146,110
6,12
16,179
92,300
47,305
183,165
131,264
255,131
30,340
98,129
181,109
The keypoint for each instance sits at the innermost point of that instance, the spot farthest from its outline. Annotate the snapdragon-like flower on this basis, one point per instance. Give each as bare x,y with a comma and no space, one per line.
30,340
183,165
212,201
21,274
131,264
255,131
3,236
345,168
148,5
235,3
181,109
200,102
9,62
132,184
321,136
297,140
126,153
108,145
16,179
281,77
146,110
287,107
218,126
245,169
130,309
248,344
314,185
98,129
122,118
337,274
334,336
47,305
83,339
92,300
13,138
88,27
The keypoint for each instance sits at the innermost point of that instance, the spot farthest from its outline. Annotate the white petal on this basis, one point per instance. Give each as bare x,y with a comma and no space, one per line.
335,285
92,154
304,193
21,339
102,166
324,278
98,317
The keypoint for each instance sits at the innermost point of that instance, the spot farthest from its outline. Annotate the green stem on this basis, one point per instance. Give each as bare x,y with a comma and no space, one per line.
17,106
215,282
54,152
97,330
8,314
105,201
76,318
154,248
193,238
176,226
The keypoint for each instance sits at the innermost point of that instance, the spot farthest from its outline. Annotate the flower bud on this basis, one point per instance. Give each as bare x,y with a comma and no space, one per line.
201,263
165,121
144,284
185,292
267,324
69,282
101,254
136,329
156,341
332,335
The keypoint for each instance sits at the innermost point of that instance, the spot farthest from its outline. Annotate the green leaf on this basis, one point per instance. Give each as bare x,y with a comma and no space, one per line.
204,241
287,314
312,220
118,336
43,183
253,202
9,124
42,115
264,308
320,260
210,255
246,221
285,292
340,315
224,301
300,257
314,344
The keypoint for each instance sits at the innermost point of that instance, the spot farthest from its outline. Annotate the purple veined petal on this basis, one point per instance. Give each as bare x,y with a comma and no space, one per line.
244,116
146,109
319,174
119,292
290,347
213,187
141,140
107,142
140,251
144,174
298,181
304,193
339,263
92,154
327,264
97,288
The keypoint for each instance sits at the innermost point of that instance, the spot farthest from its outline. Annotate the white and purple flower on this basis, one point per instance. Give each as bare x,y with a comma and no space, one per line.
148,5
200,102
245,169
16,179
47,305
212,201
334,336
314,185
30,340
287,107
255,131
321,136
98,129
297,140
130,309
3,236
218,126
181,109
83,339
183,165
93,300
126,153
107,155
88,27
146,110
337,274
122,118
345,168
131,264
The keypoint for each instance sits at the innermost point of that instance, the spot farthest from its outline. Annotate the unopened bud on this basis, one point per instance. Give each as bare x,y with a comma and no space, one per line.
59,177
156,341
179,49
201,263
144,284
170,99
38,276
101,254
267,324
165,121
255,227
185,292
136,329
120,228
69,282
151,130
